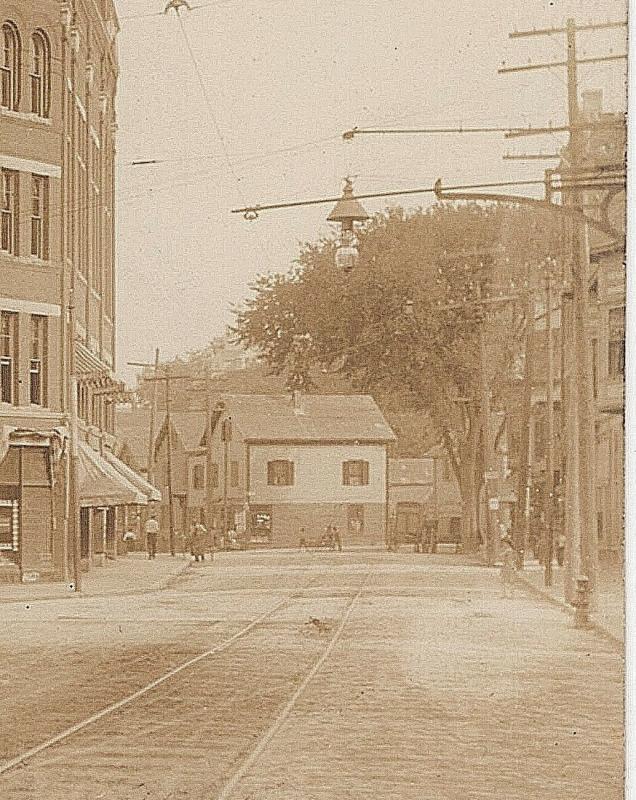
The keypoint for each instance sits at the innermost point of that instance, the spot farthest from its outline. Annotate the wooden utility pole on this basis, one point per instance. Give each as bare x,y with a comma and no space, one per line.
548,546
524,486
166,379
153,422
209,494
74,494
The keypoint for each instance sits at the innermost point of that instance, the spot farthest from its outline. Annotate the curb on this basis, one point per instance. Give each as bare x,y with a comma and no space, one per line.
164,584
565,606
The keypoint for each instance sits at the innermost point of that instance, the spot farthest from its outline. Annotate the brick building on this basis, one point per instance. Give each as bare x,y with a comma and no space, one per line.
58,76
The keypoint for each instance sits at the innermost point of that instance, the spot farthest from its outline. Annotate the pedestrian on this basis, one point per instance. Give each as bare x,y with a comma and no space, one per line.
336,538
419,540
197,541
561,549
151,530
302,539
508,566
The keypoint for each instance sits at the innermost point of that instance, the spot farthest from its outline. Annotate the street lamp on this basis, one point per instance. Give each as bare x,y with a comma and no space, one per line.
347,211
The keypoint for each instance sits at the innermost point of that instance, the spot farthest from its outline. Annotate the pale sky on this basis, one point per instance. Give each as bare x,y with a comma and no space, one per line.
293,75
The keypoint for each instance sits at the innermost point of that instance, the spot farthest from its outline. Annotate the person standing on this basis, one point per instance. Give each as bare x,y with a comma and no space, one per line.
508,566
561,549
151,530
336,538
197,542
419,540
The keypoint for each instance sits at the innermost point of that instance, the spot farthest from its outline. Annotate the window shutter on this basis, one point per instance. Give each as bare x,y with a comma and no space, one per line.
345,473
365,473
290,473
270,472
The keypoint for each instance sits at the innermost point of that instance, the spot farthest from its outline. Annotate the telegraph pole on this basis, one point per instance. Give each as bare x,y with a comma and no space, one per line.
166,379
209,497
525,461
153,422
74,493
549,467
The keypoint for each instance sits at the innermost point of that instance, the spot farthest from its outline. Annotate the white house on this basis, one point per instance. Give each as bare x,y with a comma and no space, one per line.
286,466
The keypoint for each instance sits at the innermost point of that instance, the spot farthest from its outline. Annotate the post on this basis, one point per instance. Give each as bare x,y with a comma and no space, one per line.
169,460
74,499
209,500
524,485
582,473
491,543
226,453
549,465
153,421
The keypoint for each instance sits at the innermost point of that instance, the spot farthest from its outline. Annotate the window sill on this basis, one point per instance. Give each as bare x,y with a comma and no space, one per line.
26,116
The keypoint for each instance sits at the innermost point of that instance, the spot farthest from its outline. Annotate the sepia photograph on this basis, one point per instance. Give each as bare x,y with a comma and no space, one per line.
312,400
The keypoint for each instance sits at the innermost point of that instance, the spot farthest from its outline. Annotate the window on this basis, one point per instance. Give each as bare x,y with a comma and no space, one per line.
40,74
280,473
198,477
37,362
234,473
10,67
39,216
214,476
8,346
355,473
9,212
616,343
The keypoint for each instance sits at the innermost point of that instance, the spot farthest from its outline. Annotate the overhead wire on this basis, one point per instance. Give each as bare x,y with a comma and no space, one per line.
210,108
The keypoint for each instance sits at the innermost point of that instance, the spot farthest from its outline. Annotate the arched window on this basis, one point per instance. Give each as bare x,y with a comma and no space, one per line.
10,67
40,74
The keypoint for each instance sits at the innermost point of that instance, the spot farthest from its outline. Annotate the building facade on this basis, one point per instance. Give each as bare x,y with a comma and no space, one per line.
284,468
58,77
604,149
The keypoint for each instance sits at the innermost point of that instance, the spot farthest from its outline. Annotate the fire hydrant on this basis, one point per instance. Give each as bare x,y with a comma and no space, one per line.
582,602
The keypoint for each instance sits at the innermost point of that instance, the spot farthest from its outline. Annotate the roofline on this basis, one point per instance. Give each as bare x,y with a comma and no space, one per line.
384,441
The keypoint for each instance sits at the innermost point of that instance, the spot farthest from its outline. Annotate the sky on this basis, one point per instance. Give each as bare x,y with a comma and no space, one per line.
255,115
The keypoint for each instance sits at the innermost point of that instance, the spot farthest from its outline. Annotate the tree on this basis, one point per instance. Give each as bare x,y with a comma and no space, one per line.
404,324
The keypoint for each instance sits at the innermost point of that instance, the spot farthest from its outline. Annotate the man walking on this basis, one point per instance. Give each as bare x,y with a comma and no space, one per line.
152,531
336,539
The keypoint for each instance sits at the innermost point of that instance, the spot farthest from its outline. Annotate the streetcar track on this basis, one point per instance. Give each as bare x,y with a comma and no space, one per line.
21,759
266,738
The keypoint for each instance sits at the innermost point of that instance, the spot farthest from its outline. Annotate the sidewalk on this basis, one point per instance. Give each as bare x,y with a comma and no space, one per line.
132,574
609,615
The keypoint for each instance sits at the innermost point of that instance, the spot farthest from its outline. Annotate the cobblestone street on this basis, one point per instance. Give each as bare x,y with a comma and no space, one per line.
419,681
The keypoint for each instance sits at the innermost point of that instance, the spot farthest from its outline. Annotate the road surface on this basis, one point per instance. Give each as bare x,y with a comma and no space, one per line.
418,681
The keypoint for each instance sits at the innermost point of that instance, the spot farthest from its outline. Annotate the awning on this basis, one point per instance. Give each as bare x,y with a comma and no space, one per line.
100,484
151,492
27,437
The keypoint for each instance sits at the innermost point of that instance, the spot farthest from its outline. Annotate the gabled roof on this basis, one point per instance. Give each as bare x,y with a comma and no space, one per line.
131,429
411,471
326,417
189,426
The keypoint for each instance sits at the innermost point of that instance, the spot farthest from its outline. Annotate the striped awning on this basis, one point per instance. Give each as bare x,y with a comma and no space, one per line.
100,484
151,492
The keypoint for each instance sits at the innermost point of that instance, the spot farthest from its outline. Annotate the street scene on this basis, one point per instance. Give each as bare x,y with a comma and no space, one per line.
312,399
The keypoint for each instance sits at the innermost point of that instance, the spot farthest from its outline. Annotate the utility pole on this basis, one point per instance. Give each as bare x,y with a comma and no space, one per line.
549,464
74,495
580,484
169,458
226,435
209,498
524,487
167,378
487,443
153,422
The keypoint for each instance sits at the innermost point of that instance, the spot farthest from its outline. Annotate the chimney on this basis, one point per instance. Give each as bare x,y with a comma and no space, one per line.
592,103
297,400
